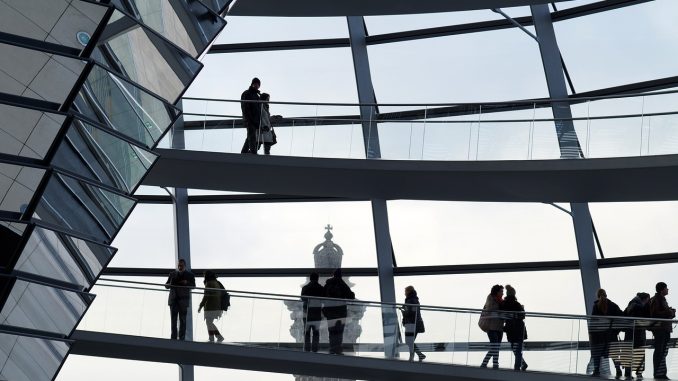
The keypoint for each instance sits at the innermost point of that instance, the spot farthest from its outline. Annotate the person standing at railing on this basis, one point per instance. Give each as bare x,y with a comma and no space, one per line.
179,283
266,134
603,331
251,115
312,312
491,323
212,303
514,326
659,309
412,322
633,353
335,311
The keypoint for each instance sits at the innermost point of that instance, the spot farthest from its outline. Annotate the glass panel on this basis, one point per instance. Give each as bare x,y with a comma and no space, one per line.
11,236
188,24
282,235
30,359
100,156
44,308
426,233
636,228
140,55
243,29
400,23
82,207
35,74
81,368
56,21
616,55
147,238
51,254
124,107
17,186
26,132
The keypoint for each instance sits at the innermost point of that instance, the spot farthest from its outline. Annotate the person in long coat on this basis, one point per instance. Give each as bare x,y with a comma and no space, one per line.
603,331
491,322
412,322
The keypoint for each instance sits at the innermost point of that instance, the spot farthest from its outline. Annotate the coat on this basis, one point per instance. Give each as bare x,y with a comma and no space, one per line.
211,299
312,307
636,331
489,318
181,294
514,325
251,111
659,309
336,288
606,329
412,314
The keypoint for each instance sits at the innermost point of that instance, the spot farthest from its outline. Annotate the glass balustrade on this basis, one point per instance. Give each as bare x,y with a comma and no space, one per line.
625,126
556,343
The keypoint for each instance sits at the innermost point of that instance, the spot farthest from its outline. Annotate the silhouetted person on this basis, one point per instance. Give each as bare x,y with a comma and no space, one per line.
603,331
493,324
335,311
633,353
251,116
179,283
267,135
659,309
312,312
514,326
412,322
211,302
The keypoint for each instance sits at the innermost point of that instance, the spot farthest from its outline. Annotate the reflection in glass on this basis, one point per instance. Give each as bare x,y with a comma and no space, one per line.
100,156
189,24
82,207
140,55
62,257
26,132
36,306
17,186
29,358
124,107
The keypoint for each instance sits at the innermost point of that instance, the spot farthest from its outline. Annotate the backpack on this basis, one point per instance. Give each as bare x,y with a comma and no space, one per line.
225,297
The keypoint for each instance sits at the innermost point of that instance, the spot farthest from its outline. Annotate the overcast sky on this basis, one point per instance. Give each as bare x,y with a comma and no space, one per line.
627,45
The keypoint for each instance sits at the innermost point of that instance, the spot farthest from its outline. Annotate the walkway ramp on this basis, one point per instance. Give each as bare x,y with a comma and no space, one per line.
286,361
647,178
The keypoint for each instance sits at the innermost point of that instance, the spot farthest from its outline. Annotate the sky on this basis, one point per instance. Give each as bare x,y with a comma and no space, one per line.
631,44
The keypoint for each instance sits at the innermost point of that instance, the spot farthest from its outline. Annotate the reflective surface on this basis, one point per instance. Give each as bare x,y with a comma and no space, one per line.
17,186
27,133
24,358
40,307
92,152
99,215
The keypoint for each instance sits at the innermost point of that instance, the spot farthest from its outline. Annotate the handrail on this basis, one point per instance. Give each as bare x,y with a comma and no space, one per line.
297,298
515,102
377,120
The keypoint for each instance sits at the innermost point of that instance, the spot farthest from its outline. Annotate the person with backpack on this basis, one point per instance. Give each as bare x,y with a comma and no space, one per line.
312,312
213,303
659,309
491,323
412,322
336,311
514,326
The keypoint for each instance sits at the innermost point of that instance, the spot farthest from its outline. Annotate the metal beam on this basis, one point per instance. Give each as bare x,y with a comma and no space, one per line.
569,148
361,64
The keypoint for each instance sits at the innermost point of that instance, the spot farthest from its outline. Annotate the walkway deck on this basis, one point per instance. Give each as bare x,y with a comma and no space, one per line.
649,178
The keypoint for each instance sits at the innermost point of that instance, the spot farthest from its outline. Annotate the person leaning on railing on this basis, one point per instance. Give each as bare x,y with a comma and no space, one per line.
659,309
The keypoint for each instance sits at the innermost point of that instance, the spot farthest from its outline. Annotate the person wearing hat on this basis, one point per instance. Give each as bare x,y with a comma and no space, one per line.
251,115
514,326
